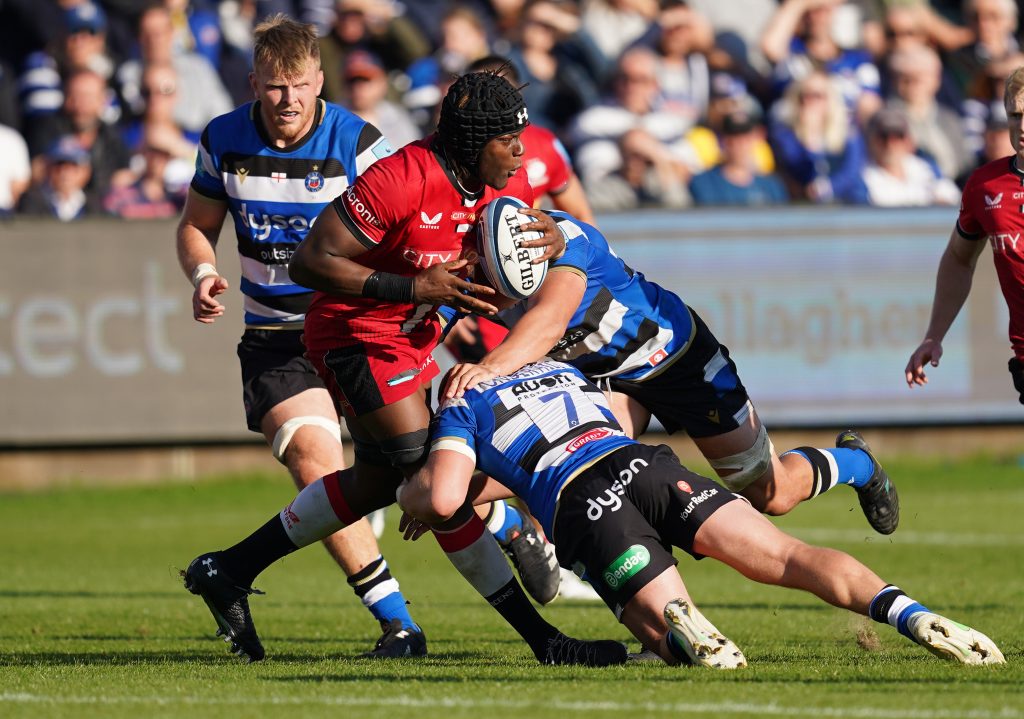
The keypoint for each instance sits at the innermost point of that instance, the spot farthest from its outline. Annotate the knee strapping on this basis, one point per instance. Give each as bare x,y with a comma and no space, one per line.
405,449
746,466
368,452
287,431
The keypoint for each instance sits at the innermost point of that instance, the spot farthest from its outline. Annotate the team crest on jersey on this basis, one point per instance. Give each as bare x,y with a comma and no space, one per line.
314,180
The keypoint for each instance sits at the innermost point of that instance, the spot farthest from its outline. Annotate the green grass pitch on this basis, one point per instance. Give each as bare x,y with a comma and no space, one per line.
94,620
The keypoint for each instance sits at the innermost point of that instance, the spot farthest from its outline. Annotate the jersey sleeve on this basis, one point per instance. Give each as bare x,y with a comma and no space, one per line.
967,224
374,203
454,428
207,180
576,247
372,146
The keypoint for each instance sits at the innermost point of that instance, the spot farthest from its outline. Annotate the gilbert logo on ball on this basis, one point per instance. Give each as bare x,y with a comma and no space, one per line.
509,266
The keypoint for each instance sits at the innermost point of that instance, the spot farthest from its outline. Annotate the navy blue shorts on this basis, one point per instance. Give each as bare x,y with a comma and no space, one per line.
274,368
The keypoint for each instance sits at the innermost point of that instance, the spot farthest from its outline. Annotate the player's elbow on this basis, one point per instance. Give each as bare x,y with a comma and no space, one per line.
300,268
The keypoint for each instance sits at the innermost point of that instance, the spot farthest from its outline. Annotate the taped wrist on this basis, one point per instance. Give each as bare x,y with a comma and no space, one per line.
389,287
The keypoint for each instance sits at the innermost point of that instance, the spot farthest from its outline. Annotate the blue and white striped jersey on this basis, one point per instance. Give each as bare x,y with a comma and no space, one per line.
275,194
533,431
625,327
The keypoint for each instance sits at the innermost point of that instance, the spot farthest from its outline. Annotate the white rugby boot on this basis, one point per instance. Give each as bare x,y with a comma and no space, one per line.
947,639
703,643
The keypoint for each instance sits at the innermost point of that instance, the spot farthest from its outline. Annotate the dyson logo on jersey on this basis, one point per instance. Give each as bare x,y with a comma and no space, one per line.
359,207
596,507
262,224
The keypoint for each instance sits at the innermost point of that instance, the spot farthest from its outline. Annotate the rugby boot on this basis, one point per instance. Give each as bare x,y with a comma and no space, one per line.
947,639
228,602
951,640
564,650
398,642
534,559
702,642
878,498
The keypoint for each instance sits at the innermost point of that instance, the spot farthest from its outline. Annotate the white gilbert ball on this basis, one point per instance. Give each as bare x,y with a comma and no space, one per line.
507,266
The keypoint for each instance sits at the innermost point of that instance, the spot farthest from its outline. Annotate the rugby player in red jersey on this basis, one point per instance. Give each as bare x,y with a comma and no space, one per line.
992,208
382,258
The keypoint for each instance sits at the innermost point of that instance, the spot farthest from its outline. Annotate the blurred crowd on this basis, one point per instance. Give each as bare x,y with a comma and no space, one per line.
659,103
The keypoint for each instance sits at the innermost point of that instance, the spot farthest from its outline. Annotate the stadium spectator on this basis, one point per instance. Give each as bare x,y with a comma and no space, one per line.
636,103
936,130
647,176
196,29
10,104
199,100
736,180
819,151
85,99
994,26
61,193
463,41
80,46
557,63
372,25
614,25
367,88
894,175
738,26
681,38
995,143
15,170
914,23
989,214
149,197
799,40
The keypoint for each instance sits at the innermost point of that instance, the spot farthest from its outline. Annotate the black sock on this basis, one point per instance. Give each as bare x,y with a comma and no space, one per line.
515,608
256,552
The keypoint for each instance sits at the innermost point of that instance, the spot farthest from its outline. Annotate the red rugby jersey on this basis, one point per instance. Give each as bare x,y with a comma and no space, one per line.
410,213
992,208
545,160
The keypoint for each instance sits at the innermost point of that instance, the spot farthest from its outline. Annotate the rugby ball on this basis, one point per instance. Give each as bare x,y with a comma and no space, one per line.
507,266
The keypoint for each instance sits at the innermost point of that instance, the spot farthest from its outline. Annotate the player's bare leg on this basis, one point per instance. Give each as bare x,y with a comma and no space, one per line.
666,621
739,536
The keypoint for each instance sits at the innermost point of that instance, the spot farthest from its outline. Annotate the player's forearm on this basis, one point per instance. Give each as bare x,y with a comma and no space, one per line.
530,340
327,273
195,248
952,287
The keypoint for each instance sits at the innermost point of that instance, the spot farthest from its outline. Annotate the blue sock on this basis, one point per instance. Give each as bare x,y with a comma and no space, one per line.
892,606
836,466
504,521
380,593
854,466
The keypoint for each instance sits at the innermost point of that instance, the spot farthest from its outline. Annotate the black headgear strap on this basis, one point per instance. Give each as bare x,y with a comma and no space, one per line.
479,106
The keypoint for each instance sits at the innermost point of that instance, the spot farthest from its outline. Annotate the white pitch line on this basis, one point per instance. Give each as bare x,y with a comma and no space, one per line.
953,539
707,708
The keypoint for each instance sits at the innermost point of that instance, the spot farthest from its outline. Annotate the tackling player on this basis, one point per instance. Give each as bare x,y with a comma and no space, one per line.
382,258
274,164
613,507
991,209
655,356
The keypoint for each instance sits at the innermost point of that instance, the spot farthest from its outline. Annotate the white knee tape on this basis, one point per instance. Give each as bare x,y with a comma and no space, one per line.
746,466
284,435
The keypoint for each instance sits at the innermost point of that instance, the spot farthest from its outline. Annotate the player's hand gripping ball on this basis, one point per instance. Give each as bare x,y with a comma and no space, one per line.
508,267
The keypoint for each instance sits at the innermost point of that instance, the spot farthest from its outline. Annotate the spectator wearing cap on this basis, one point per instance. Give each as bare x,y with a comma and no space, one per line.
800,39
85,100
735,180
15,169
81,45
820,152
995,144
894,175
150,196
199,100
377,26
366,85
937,131
728,94
61,193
